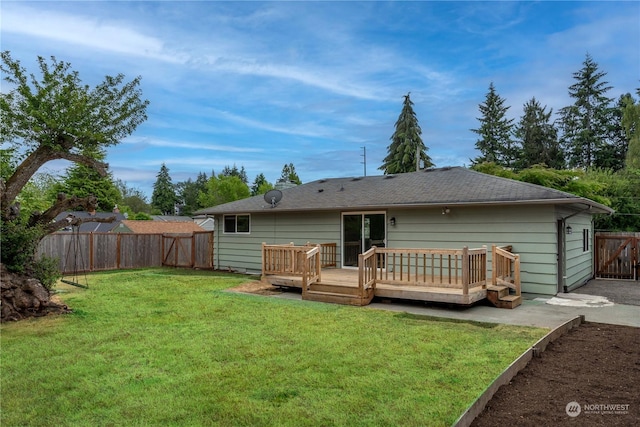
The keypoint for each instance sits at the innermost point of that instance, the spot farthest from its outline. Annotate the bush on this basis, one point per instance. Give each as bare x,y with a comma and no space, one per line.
46,271
19,243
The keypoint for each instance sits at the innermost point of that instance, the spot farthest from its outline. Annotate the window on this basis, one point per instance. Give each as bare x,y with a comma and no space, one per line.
237,223
585,239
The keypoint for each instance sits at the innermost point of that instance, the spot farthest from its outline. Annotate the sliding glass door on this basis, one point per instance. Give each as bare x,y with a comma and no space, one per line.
361,231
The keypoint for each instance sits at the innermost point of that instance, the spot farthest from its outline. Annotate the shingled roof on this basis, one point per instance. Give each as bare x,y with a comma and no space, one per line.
159,227
431,187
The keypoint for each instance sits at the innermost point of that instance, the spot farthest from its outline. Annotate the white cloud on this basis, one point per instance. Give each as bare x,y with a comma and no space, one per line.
85,31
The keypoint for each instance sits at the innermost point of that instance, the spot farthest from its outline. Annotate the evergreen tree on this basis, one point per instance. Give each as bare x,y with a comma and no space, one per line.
289,174
495,143
260,185
538,138
585,124
84,181
406,144
164,196
234,171
631,124
188,193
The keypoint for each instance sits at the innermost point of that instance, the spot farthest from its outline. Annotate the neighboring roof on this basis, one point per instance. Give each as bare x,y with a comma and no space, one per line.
95,227
172,218
159,227
430,187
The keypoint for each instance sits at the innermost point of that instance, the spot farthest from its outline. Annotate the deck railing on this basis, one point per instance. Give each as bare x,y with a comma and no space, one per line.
505,268
451,268
291,260
367,270
328,254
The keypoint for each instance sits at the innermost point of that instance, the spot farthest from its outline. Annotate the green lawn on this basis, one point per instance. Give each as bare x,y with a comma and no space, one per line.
171,347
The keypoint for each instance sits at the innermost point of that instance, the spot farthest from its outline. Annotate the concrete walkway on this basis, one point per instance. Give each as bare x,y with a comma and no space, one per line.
534,311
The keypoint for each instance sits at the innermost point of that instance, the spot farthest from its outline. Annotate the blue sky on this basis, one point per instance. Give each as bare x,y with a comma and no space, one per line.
261,84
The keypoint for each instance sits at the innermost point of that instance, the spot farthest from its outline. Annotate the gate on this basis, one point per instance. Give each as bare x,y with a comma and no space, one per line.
616,256
194,251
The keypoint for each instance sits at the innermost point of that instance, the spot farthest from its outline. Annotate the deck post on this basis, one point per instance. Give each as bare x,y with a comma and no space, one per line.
466,270
319,262
264,261
516,274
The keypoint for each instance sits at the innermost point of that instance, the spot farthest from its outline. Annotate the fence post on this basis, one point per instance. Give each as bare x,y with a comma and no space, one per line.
466,267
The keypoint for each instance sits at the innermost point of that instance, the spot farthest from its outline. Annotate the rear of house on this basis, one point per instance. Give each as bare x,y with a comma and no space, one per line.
444,208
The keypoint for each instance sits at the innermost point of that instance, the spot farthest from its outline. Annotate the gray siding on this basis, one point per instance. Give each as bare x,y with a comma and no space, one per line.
578,262
242,252
531,230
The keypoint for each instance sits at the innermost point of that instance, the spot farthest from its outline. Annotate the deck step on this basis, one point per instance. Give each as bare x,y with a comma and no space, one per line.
334,288
336,298
499,296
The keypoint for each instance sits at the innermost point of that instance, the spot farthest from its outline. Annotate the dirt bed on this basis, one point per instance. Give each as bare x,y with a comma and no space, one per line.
588,377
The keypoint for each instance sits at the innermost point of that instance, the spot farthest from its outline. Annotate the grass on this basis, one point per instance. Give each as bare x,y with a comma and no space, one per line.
173,348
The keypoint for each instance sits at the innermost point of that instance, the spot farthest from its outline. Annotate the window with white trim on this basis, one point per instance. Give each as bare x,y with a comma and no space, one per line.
585,239
237,223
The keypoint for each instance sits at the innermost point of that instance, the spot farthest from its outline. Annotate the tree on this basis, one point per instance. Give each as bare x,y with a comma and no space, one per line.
240,173
43,117
538,138
495,143
83,181
134,200
406,151
223,189
164,197
289,174
584,124
260,185
189,192
631,125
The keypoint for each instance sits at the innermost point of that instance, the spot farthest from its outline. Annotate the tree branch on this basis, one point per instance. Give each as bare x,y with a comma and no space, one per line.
63,203
75,221
30,166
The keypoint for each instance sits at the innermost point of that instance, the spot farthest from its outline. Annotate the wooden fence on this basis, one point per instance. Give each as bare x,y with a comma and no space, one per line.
84,252
617,256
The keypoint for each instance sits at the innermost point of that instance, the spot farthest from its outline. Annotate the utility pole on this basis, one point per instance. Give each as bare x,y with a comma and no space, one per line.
364,162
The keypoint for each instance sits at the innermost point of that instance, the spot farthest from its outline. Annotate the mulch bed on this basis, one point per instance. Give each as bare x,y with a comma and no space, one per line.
596,365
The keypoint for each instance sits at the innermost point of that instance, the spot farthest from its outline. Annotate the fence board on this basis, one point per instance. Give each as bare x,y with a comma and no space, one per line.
83,252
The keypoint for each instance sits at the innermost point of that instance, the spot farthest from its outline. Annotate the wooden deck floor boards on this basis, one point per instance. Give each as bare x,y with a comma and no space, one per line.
345,277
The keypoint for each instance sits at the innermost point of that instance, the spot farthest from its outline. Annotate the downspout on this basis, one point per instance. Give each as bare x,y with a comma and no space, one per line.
564,246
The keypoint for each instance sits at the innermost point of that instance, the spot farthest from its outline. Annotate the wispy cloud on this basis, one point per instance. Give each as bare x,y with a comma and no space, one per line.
86,31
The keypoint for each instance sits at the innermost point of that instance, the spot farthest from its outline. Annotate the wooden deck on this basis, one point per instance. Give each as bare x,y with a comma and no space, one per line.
456,276
346,278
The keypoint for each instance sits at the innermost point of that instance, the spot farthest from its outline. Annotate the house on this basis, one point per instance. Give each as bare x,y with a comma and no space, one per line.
157,227
447,208
205,221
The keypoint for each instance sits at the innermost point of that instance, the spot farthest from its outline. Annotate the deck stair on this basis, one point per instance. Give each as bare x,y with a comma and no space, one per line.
500,297
326,291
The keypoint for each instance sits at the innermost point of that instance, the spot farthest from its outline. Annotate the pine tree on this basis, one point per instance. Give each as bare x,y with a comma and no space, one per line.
631,124
585,123
164,196
234,171
538,138
260,185
84,181
495,143
289,174
188,193
406,144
